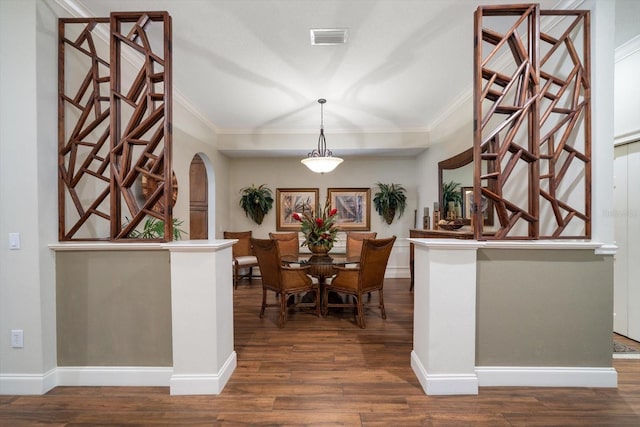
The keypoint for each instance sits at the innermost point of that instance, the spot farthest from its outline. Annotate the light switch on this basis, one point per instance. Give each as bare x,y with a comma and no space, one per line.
17,338
14,240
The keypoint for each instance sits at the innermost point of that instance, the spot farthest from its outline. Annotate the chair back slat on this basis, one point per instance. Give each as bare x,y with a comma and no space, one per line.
373,262
288,243
268,254
354,243
243,246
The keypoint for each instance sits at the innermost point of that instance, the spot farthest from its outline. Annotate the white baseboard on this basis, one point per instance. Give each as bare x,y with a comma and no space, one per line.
26,384
525,376
443,384
118,376
397,272
635,356
188,384
96,376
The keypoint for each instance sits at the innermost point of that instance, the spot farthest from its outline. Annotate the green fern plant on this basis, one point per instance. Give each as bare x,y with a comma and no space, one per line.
390,199
154,229
256,201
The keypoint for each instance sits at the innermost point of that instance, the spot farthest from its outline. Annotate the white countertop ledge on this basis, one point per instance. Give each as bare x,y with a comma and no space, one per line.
599,247
181,245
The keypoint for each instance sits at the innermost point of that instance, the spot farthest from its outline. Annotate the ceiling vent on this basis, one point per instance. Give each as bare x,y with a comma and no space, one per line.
328,36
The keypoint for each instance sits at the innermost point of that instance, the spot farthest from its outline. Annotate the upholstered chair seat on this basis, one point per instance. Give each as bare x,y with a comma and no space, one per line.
243,257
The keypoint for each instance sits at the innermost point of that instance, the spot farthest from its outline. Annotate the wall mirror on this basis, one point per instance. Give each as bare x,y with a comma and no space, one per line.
459,168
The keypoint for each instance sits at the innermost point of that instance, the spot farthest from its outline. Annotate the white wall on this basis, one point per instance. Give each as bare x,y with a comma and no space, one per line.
28,187
290,173
602,75
28,196
353,173
626,129
627,92
192,135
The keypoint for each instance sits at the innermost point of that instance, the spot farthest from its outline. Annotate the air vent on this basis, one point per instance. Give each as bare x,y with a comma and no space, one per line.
326,36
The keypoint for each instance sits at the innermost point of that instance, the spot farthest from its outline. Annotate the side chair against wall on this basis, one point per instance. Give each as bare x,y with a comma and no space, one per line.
354,243
288,243
281,279
354,246
243,257
367,277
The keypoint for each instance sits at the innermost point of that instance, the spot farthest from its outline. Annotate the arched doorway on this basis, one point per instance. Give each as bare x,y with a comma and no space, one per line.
198,199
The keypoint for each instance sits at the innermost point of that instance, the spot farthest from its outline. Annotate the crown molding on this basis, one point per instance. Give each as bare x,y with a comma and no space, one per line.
627,49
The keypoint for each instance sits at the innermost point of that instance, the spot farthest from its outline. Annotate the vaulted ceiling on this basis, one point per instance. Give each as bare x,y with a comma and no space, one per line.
248,66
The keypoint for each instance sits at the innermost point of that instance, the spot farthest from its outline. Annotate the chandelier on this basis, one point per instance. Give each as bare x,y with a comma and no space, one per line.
321,160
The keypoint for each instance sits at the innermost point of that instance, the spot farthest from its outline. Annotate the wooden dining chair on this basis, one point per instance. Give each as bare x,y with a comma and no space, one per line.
367,277
285,281
243,257
288,243
354,242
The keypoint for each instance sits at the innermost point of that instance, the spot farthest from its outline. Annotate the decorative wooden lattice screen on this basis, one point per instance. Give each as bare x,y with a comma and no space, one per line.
100,185
532,123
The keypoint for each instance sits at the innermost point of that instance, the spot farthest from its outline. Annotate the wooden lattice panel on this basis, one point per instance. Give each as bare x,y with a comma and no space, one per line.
140,126
83,131
115,126
565,124
528,105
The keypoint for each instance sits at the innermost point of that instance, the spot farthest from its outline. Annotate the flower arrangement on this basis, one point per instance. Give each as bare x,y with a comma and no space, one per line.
320,230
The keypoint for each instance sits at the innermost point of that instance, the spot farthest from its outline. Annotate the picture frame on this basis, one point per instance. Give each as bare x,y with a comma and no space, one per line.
290,200
467,200
354,208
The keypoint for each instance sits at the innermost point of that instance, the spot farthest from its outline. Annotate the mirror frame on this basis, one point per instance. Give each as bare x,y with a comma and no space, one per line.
455,162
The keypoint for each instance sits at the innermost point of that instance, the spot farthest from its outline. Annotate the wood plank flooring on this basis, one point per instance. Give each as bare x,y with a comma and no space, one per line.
325,372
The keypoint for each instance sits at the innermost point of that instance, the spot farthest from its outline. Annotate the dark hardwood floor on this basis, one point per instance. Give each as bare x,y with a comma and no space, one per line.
327,371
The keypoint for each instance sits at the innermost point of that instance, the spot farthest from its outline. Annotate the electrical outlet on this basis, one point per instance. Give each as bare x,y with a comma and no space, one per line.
17,338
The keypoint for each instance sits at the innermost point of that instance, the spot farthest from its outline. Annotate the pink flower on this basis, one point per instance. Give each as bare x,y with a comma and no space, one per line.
296,216
333,212
319,221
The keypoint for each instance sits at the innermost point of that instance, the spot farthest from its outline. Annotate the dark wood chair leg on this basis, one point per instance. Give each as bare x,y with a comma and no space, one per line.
283,309
360,311
264,302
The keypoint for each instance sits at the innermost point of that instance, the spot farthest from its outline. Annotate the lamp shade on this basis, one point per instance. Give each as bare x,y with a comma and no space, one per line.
321,164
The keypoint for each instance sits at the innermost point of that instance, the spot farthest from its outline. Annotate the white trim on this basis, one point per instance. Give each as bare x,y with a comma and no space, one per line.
443,384
25,384
397,272
198,245
626,138
526,376
514,244
97,376
635,356
628,48
187,384
543,244
606,250
175,246
104,246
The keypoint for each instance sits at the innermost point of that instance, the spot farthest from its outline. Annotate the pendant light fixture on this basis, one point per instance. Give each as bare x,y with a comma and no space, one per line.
321,160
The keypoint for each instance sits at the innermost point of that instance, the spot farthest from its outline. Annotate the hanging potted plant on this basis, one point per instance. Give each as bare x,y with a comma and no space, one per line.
256,201
390,199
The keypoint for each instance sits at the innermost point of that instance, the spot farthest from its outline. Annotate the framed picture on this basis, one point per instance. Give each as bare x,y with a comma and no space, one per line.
467,201
290,200
354,207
